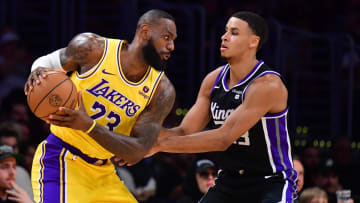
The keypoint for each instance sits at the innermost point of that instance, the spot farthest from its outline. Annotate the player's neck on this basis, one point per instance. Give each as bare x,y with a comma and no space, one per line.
132,63
240,68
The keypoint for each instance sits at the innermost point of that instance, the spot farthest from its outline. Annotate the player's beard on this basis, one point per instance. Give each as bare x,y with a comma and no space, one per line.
152,57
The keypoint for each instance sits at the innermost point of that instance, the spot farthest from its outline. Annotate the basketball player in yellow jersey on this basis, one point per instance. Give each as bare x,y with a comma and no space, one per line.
124,95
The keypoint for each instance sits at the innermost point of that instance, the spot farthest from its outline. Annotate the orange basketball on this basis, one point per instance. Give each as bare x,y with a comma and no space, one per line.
54,91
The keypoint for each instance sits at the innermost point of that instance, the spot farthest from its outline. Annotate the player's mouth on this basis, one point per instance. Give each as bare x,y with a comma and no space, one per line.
223,47
165,56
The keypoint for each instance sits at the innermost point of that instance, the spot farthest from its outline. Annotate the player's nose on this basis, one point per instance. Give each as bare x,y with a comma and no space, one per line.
170,46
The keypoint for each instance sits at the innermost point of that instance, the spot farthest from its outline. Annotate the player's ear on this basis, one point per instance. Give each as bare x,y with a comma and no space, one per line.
254,41
145,32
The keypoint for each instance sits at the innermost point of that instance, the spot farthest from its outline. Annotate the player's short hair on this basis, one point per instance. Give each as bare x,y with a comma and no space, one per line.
257,25
153,16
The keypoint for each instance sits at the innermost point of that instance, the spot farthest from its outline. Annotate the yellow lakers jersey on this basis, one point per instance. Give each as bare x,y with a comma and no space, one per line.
110,99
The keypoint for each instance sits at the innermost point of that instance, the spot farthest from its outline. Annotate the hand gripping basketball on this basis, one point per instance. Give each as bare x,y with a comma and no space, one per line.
37,76
76,119
50,92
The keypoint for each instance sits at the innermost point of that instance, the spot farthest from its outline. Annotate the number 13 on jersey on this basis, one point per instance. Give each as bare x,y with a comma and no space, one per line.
243,140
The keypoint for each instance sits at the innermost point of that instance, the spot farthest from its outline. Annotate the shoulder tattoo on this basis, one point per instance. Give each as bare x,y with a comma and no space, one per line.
83,46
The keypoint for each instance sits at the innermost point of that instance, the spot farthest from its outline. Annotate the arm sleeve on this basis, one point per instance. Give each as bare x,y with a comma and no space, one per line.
51,60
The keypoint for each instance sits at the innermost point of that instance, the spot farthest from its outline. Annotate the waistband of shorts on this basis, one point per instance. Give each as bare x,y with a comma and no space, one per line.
91,160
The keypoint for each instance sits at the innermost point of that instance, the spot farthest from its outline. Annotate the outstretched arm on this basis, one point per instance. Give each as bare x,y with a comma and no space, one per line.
199,114
265,95
145,132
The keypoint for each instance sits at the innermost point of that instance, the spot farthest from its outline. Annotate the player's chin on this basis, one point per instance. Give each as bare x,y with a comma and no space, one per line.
165,57
225,56
223,53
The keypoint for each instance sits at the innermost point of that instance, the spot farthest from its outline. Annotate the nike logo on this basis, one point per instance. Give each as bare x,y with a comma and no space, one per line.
267,177
104,71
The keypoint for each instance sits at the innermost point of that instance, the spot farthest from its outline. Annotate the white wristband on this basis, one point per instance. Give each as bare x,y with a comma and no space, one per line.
51,60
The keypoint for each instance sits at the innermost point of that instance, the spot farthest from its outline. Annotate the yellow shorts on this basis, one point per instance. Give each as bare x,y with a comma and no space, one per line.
59,175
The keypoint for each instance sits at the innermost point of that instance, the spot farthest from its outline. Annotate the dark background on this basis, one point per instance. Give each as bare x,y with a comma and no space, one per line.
313,44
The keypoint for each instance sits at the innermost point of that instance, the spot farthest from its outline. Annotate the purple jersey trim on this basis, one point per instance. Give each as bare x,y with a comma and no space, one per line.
260,75
134,84
218,77
64,183
91,160
280,114
252,72
50,176
41,179
277,133
155,86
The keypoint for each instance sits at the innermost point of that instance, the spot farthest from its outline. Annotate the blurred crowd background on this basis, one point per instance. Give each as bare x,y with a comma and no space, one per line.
315,45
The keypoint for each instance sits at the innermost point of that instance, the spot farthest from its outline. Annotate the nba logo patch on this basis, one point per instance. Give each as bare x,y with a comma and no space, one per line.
237,96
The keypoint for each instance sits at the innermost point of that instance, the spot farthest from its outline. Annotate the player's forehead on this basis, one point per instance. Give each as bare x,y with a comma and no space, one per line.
165,25
237,24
